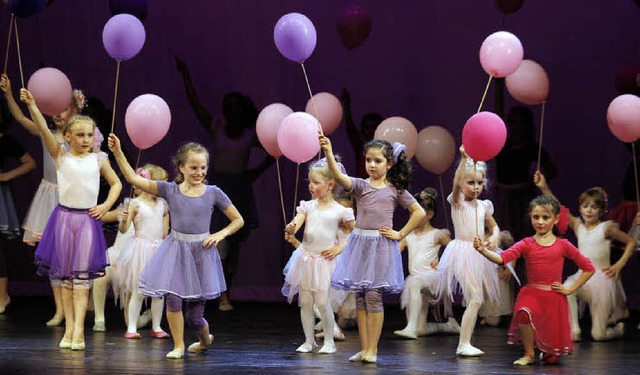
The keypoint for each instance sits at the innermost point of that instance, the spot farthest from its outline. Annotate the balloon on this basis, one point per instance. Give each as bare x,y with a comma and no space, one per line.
329,111
501,53
483,136
623,117
354,26
509,6
268,124
123,36
295,36
136,8
51,89
436,149
147,120
399,129
627,80
298,137
529,84
26,8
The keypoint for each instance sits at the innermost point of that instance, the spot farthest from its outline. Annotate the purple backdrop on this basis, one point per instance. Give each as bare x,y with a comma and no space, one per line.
420,61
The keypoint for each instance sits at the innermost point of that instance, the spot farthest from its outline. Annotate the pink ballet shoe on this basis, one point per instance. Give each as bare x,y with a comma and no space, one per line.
160,334
132,335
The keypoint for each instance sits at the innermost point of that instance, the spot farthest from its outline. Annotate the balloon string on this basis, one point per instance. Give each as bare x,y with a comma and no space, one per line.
476,198
486,89
6,55
295,195
284,215
135,169
15,25
540,140
635,172
115,97
444,204
313,102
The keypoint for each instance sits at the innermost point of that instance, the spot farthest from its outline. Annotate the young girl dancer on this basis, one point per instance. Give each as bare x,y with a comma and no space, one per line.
541,314
185,267
371,263
461,267
603,292
311,270
150,217
423,245
46,197
73,247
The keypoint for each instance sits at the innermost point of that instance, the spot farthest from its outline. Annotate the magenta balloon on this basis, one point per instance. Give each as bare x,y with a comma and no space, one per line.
295,36
623,117
354,26
298,137
123,36
436,149
267,126
147,120
483,136
529,84
399,129
51,89
501,54
329,111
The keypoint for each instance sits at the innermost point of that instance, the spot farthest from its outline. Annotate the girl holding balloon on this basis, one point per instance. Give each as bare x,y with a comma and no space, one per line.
185,266
371,263
73,248
461,267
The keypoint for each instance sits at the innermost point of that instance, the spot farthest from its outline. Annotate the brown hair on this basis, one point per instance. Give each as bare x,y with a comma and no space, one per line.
182,156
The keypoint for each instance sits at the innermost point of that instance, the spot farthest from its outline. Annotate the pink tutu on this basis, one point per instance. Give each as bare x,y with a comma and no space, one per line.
134,257
603,294
42,205
308,271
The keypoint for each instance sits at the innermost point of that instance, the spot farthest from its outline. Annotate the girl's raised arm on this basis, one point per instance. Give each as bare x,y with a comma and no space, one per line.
459,176
16,112
342,179
129,174
541,182
47,137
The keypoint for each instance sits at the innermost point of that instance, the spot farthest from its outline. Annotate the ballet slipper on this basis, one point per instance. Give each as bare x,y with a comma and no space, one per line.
65,343
197,347
406,333
160,334
469,351
55,321
524,361
356,357
370,358
3,307
307,347
328,348
132,335
77,345
175,354
99,326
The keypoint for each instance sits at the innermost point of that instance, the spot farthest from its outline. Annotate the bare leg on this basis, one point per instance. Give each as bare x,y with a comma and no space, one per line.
4,294
56,320
80,302
100,286
66,295
526,335
176,325
374,329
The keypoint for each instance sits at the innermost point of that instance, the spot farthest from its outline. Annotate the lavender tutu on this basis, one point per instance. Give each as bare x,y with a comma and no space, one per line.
72,246
182,266
369,261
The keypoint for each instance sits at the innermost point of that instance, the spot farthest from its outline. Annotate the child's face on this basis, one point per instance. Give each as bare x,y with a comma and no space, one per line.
61,119
472,184
376,163
319,186
589,211
543,219
195,168
80,137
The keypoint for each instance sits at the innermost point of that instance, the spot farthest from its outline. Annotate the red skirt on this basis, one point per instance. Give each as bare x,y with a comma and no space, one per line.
549,315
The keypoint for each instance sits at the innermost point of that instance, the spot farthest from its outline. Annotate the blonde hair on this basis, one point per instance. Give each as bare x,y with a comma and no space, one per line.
156,173
183,154
322,168
76,119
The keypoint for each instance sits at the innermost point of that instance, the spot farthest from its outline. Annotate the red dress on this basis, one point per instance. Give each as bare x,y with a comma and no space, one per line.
548,310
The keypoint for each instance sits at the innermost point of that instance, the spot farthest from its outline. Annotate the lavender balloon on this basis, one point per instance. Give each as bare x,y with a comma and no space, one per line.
123,36
295,36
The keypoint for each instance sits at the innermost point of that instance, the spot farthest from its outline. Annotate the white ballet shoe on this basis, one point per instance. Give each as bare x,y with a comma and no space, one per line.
65,343
307,347
469,351
197,347
99,326
77,345
328,348
175,354
524,361
406,333
55,321
356,357
370,358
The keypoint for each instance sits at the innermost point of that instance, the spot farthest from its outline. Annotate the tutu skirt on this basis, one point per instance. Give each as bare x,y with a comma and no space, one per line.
603,294
369,261
72,246
9,223
182,266
549,315
309,272
134,256
42,206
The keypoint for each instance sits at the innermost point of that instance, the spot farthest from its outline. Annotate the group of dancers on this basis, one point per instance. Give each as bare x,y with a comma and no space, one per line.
349,250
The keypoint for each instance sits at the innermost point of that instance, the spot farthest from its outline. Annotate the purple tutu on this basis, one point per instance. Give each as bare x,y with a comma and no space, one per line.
72,246
182,266
369,261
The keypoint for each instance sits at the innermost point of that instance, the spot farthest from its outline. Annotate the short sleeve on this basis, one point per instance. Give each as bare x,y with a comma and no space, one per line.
222,201
406,199
102,158
440,234
357,186
488,208
303,207
347,215
166,188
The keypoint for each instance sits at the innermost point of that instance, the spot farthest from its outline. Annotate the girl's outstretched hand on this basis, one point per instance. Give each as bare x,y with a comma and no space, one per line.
539,180
390,233
478,244
214,239
290,229
97,211
5,84
26,97
558,287
332,252
114,143
325,144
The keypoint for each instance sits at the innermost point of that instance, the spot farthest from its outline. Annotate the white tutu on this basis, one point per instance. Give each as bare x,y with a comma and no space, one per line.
134,257
42,205
602,293
308,271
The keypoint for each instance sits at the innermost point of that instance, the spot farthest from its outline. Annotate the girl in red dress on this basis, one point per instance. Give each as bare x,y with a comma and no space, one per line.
541,312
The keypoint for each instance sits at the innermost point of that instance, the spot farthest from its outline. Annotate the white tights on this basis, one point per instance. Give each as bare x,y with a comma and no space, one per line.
321,300
135,304
416,308
474,298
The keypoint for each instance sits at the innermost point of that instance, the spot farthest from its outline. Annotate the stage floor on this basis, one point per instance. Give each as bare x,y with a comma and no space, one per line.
258,338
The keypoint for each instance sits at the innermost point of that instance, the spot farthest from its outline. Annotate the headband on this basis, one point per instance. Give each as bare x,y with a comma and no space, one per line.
143,173
397,150
480,165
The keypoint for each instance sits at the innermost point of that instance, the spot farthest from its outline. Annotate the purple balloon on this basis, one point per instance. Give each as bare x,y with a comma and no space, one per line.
295,36
26,8
137,8
123,36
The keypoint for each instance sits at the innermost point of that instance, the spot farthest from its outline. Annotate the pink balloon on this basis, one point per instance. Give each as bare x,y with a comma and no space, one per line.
329,111
501,53
51,89
399,129
483,136
436,149
147,120
529,84
298,137
268,124
623,117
